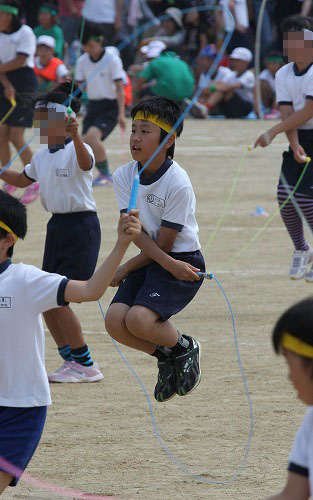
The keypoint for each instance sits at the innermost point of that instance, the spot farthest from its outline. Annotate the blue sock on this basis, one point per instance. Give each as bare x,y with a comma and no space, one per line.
82,356
65,352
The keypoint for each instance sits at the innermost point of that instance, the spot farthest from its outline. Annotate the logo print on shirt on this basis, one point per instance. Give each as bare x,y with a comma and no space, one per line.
5,303
62,172
154,294
155,200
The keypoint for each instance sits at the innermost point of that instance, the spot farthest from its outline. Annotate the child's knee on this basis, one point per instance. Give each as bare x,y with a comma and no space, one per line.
114,319
138,318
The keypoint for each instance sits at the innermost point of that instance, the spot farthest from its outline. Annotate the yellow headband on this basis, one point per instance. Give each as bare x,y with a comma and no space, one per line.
154,119
8,229
296,345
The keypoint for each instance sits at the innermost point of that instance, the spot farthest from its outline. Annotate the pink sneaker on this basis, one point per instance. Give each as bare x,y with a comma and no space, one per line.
72,372
273,115
7,188
31,194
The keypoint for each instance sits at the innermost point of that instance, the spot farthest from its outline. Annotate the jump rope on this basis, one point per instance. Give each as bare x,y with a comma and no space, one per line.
209,276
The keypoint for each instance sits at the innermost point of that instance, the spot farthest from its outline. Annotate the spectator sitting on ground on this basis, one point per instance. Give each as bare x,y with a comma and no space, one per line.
48,68
168,75
171,32
204,62
235,97
273,61
47,26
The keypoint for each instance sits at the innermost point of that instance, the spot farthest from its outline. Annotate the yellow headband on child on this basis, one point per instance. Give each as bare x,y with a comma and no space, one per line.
154,119
8,229
296,345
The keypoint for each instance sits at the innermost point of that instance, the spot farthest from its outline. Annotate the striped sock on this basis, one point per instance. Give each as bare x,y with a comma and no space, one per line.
82,356
65,352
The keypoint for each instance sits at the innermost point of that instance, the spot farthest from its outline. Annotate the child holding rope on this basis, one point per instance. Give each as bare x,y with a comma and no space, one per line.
292,336
162,279
25,293
64,172
17,50
294,90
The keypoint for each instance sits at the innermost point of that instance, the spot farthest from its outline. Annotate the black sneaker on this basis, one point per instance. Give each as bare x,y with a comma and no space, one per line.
187,366
165,388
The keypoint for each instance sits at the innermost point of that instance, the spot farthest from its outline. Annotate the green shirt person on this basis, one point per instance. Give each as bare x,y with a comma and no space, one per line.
170,77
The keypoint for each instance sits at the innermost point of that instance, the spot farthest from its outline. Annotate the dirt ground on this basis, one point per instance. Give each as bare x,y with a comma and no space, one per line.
99,437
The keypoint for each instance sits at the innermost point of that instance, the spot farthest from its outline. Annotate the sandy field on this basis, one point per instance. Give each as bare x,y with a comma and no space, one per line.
99,437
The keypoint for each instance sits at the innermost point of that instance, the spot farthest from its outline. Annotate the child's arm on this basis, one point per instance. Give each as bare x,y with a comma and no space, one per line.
17,179
17,62
297,488
121,103
129,227
293,121
83,156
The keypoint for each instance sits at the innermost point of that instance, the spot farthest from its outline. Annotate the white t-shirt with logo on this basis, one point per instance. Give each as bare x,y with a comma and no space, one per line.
25,292
64,186
100,11
165,198
22,41
293,87
301,455
100,76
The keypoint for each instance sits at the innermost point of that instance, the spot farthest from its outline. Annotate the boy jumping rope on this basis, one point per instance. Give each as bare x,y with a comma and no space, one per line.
162,279
292,336
26,292
294,92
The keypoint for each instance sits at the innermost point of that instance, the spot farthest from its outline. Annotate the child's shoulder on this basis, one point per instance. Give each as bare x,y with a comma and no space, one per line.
284,70
177,176
126,170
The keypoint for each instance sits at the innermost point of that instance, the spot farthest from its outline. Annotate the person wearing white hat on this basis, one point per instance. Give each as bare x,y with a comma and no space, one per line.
48,68
153,49
171,32
235,97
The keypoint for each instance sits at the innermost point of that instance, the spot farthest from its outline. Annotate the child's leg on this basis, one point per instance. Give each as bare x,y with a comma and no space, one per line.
292,220
267,95
5,480
93,137
5,152
17,139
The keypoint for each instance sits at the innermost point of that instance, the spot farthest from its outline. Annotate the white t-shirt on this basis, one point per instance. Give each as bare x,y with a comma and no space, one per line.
269,78
61,71
100,11
22,41
64,186
241,13
293,87
25,292
100,76
222,75
247,80
165,198
301,455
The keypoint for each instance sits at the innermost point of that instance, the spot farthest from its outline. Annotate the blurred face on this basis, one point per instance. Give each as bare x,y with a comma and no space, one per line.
169,26
5,21
93,48
192,17
238,65
300,374
273,66
45,18
205,63
297,48
52,127
44,53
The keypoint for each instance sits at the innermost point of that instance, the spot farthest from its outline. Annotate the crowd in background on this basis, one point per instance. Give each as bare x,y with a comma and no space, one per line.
166,49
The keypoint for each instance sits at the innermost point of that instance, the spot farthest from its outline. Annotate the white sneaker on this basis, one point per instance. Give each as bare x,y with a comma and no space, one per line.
309,275
71,372
300,261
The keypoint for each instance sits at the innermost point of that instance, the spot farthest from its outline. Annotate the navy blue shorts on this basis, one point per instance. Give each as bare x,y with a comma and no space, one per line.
24,81
72,245
20,433
157,289
101,114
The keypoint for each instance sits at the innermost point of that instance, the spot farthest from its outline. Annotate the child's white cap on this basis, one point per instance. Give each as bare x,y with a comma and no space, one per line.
153,49
46,40
241,53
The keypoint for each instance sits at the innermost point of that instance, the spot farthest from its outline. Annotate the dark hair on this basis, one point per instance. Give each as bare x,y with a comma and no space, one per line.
298,321
297,23
61,94
13,214
167,110
49,5
92,31
273,53
16,23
